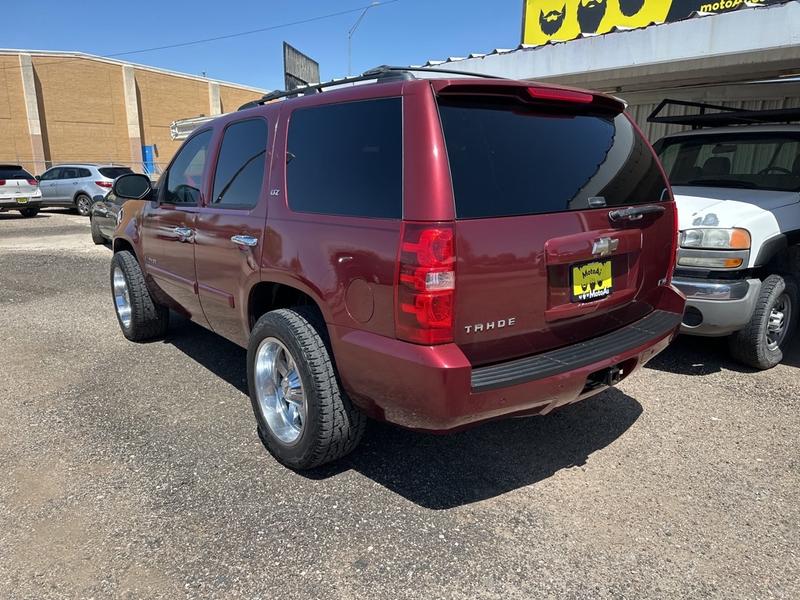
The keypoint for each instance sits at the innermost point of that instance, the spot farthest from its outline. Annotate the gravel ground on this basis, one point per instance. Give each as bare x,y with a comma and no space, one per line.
135,471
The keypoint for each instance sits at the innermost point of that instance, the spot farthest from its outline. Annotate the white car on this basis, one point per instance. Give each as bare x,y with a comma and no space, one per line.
19,190
76,185
737,189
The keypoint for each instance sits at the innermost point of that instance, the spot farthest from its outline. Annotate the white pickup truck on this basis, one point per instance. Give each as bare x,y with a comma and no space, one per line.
737,188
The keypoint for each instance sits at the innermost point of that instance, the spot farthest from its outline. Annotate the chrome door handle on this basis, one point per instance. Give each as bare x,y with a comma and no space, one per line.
185,234
245,240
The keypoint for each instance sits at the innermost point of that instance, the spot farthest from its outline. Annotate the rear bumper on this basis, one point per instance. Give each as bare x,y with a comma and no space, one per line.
717,307
12,204
435,388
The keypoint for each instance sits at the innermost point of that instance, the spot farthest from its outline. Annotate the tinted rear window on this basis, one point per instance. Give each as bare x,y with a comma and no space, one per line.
14,172
347,159
114,172
513,160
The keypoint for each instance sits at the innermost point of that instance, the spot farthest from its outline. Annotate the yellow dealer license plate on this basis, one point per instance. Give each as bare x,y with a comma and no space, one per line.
22,200
592,281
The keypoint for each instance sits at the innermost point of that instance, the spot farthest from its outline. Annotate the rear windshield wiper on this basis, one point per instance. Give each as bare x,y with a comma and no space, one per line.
734,183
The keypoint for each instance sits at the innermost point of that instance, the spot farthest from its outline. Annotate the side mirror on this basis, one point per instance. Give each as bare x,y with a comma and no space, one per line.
133,186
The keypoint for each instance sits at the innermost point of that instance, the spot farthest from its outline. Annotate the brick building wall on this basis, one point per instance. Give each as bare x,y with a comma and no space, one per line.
67,107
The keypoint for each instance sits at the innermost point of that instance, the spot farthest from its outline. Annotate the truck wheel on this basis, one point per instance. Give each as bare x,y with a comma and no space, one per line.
304,417
29,212
140,318
761,343
97,237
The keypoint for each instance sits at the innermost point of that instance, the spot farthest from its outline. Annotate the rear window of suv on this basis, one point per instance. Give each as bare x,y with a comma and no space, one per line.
509,159
347,159
114,172
14,172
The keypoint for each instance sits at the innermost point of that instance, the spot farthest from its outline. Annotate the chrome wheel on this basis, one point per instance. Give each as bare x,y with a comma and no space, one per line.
84,204
279,391
122,298
778,323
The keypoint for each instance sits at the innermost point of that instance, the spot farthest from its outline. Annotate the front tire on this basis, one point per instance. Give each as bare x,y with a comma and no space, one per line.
97,237
761,343
304,417
139,317
83,204
29,212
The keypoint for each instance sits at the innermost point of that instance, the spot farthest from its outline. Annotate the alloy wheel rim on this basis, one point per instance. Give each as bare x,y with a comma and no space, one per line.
778,322
279,391
83,205
122,298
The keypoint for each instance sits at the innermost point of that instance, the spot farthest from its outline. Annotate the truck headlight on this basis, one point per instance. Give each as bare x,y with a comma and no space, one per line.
716,239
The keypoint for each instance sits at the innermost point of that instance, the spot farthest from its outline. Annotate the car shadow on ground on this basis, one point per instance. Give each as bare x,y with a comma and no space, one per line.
445,471
14,215
692,355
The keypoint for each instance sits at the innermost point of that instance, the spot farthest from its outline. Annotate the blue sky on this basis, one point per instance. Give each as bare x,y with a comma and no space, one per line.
404,32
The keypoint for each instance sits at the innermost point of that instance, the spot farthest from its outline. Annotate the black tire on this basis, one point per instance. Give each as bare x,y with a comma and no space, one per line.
750,345
333,427
148,320
83,204
31,211
97,237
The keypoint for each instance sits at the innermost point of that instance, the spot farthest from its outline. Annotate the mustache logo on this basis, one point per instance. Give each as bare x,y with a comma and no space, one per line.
551,21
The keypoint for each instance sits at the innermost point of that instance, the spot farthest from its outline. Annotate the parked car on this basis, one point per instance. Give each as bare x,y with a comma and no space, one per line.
433,253
737,188
19,190
75,185
103,216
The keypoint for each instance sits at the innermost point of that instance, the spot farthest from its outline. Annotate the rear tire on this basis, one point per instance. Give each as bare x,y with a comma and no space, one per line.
83,204
761,343
139,317
97,237
29,212
327,426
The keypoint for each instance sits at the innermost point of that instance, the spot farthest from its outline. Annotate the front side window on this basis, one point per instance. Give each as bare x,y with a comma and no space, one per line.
51,174
185,175
347,159
240,168
768,161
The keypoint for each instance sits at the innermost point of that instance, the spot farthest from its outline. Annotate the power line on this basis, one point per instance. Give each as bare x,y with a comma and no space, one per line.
216,38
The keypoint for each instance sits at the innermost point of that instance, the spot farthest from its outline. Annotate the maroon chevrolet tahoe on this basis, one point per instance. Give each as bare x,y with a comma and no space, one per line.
429,252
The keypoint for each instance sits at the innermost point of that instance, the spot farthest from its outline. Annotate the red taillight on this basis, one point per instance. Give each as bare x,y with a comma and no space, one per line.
426,283
544,93
104,184
32,182
2,181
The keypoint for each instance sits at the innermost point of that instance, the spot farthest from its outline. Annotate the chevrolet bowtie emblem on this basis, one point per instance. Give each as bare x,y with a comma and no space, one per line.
604,246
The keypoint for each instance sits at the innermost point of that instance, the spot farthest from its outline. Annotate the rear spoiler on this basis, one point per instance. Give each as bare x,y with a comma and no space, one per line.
563,97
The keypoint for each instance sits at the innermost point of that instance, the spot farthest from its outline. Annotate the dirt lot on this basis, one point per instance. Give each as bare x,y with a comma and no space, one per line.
135,471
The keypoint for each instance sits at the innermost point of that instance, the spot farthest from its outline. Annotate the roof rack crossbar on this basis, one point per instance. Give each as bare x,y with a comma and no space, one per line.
724,115
382,73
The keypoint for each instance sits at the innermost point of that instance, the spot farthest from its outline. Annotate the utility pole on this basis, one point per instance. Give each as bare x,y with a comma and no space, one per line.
350,37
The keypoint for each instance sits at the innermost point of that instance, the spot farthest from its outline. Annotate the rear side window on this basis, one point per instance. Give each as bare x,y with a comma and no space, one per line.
114,172
14,172
240,167
83,173
347,159
510,160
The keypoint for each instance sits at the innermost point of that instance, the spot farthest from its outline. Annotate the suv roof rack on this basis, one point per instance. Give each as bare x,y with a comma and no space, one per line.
723,115
379,74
